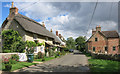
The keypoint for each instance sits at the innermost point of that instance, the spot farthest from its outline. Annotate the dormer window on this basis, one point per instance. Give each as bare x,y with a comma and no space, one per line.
96,39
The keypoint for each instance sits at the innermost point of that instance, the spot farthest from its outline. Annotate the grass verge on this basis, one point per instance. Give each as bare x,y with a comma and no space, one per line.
46,59
99,65
18,65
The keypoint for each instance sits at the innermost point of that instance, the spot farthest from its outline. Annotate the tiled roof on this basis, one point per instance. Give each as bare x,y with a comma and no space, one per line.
110,34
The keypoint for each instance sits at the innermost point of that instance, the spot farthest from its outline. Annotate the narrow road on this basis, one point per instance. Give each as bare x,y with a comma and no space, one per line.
73,62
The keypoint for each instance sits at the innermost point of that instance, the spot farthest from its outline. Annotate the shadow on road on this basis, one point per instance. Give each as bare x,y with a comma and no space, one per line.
57,68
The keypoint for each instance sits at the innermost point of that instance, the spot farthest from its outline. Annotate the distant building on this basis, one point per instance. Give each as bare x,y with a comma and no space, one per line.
103,42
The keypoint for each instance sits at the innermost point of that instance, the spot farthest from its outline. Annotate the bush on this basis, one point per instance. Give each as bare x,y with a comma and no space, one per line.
43,59
6,51
40,55
8,67
51,53
11,61
10,39
21,47
15,57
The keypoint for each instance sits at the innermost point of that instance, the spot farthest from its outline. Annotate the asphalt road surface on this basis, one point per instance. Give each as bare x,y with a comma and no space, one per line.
73,62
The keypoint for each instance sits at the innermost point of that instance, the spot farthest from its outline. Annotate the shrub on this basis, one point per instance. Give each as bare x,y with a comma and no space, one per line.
6,51
54,48
40,55
43,59
8,67
10,39
11,61
51,53
21,47
30,44
15,57
30,50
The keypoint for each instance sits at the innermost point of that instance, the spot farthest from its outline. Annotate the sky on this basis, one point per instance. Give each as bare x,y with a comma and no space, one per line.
71,19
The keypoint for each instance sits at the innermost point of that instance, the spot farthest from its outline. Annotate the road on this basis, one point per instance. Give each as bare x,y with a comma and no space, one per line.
73,62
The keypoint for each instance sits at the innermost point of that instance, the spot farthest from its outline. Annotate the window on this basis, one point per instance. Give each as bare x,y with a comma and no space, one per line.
96,39
93,48
46,38
34,36
114,48
106,48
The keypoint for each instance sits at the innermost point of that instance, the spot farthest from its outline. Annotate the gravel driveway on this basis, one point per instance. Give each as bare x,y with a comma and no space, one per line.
73,62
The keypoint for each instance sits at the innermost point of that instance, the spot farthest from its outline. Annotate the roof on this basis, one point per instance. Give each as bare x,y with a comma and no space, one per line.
30,25
107,34
57,39
110,34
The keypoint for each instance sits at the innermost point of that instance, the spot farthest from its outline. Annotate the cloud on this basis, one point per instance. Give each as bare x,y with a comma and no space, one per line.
7,5
72,18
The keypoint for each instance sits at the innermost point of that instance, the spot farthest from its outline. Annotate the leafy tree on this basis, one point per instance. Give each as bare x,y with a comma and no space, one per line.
80,42
10,40
70,43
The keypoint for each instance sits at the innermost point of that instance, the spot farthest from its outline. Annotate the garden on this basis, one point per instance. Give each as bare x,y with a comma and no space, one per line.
12,43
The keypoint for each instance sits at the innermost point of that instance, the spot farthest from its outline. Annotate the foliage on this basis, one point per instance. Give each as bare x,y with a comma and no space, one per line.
6,51
39,44
65,49
51,52
80,42
40,55
30,50
15,57
12,61
21,46
70,43
97,65
8,67
10,39
30,44
18,65
43,59
54,48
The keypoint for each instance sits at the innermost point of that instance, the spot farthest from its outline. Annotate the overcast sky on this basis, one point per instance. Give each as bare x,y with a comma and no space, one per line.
71,19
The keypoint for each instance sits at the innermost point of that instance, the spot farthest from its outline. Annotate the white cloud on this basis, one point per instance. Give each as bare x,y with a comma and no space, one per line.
75,23
8,5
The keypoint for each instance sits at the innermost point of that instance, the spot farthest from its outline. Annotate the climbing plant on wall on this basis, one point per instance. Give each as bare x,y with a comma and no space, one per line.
10,40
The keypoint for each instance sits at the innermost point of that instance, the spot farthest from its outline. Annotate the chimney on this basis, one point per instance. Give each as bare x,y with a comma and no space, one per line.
93,31
51,30
13,11
98,28
43,24
57,33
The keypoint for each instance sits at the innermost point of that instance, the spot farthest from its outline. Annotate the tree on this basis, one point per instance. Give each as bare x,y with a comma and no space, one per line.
70,43
10,40
80,42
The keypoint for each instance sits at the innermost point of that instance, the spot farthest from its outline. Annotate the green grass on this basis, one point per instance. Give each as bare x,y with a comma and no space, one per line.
46,59
99,65
18,65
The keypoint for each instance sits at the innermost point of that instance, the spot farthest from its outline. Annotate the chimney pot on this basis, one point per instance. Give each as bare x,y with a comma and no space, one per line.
51,30
98,28
56,33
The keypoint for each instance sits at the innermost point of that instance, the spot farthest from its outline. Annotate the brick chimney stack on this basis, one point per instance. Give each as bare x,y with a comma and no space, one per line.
98,28
60,35
43,24
56,33
13,11
51,30
93,31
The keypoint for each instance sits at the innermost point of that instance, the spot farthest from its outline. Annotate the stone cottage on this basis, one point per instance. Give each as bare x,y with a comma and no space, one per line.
103,42
29,29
